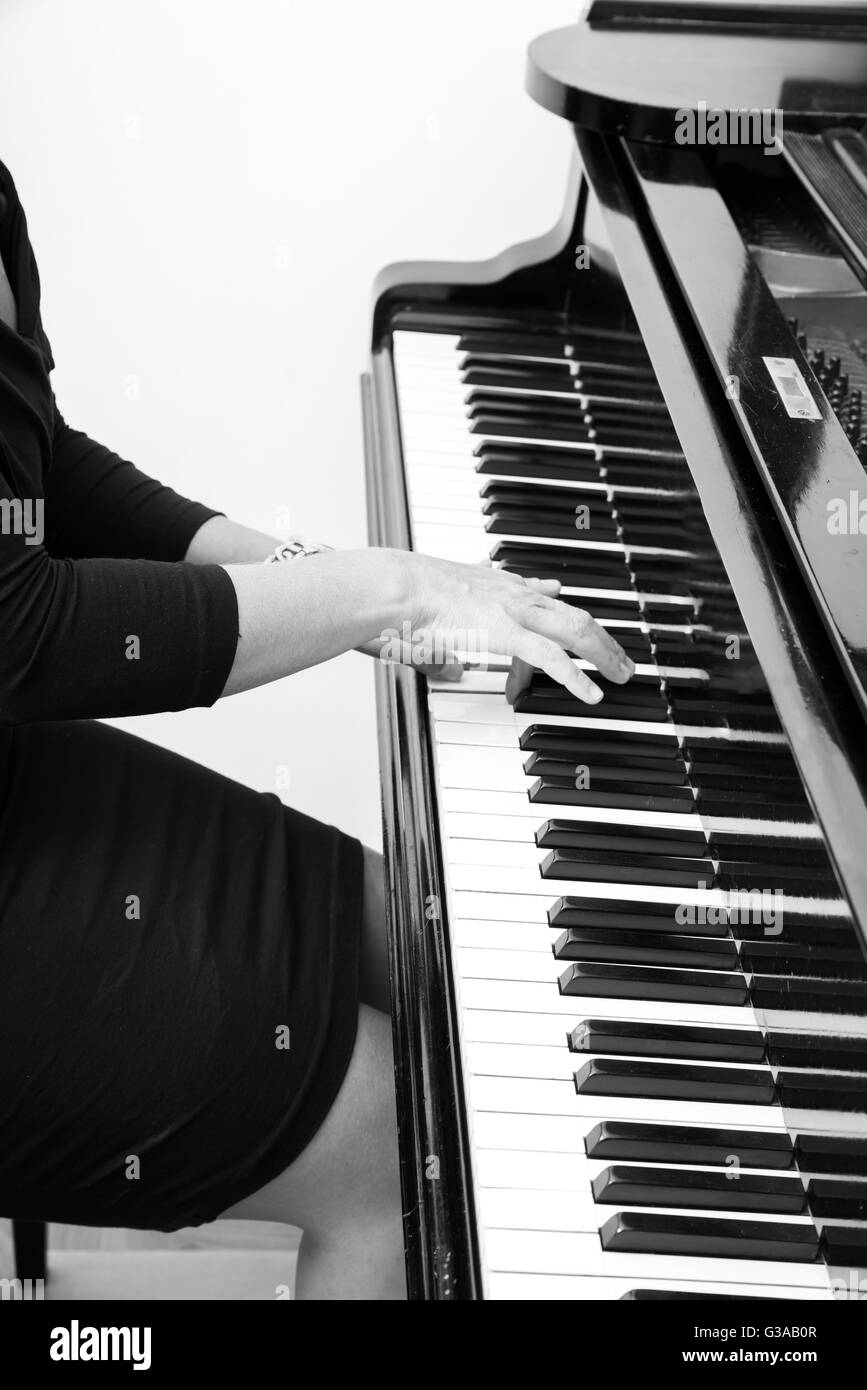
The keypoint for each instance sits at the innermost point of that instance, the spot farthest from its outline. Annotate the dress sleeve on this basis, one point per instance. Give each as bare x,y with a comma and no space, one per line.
99,504
97,637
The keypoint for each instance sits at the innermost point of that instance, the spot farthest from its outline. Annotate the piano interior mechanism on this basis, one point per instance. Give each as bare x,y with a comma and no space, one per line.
629,942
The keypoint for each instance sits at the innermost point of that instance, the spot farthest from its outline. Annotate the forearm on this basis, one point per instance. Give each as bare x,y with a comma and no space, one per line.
303,612
223,542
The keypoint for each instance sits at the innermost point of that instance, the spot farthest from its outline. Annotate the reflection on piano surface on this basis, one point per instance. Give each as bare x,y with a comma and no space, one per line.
629,941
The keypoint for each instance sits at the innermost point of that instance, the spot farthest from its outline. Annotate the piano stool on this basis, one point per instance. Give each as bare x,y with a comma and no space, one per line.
229,1260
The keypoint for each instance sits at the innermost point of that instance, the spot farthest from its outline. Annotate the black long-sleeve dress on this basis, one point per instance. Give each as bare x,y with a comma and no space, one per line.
178,953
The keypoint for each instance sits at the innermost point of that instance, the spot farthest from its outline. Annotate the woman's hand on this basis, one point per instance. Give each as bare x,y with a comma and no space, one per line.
410,607
453,609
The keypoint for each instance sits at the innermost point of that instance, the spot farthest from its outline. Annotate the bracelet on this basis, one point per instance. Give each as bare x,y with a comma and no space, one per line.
292,550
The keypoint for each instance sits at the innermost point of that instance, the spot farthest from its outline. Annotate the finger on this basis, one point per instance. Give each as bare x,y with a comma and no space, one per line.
444,671
549,587
519,677
580,633
546,656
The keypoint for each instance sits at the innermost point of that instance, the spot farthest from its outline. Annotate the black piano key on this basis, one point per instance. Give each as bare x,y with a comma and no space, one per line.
757,809
615,1076
587,524
521,461
841,1155
804,995
837,1053
733,845
633,642
616,867
655,610
752,795
548,497
627,796
580,567
649,982
605,606
812,959
666,773
518,521
750,928
672,1040
758,746
564,374
537,376
725,712
822,1091
761,760
842,1199
726,1148
638,1232
564,403
775,788
643,690
581,745
590,834
648,1295
644,948
570,426
629,468
502,341
845,1246
576,431
667,1187
795,880
631,916
794,927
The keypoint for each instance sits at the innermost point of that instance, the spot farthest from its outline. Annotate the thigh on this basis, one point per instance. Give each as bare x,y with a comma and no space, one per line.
178,981
348,1175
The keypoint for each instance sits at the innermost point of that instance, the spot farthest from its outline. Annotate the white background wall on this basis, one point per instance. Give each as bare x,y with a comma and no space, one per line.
211,188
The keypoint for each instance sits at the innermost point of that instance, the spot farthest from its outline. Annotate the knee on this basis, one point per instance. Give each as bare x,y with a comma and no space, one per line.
374,973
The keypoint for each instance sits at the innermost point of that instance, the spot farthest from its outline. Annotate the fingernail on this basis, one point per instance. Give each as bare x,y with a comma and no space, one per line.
595,694
628,665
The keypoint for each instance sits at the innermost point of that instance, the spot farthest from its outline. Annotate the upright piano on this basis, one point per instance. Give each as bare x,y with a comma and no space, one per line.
628,942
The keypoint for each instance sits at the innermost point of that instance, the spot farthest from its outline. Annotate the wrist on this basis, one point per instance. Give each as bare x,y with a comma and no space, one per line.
392,579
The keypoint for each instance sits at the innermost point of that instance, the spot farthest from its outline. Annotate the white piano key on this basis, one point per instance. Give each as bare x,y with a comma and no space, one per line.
526,1096
502,936
565,1172
538,997
566,1134
552,1030
523,1209
475,735
495,852
501,805
578,1288
556,1062
510,965
549,1252
500,829
477,878
529,1030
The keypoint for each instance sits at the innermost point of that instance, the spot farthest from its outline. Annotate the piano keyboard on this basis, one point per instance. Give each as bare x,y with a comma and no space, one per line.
660,992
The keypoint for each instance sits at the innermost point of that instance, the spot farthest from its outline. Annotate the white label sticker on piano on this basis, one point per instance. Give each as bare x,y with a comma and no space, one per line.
792,389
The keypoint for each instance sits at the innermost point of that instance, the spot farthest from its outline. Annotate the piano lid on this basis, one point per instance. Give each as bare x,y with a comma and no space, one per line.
758,415
634,67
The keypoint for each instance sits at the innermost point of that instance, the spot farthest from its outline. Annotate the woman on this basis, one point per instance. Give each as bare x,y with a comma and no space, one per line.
193,993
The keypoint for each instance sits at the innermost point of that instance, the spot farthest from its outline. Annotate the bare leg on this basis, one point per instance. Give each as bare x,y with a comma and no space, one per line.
344,1189
374,948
